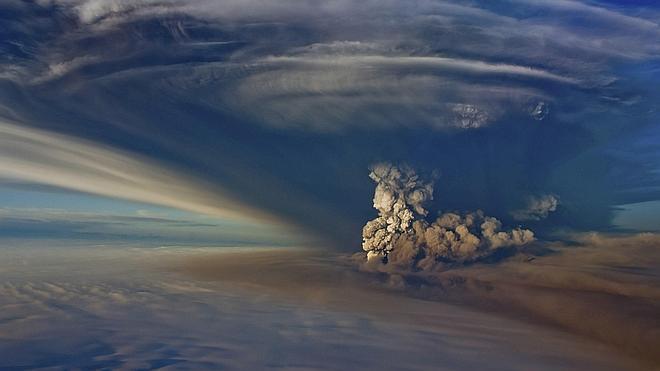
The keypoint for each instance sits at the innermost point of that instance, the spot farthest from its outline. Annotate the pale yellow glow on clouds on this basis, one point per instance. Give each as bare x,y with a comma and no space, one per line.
42,157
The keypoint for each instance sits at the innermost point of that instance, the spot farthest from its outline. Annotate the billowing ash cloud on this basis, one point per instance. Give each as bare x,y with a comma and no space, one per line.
537,207
401,235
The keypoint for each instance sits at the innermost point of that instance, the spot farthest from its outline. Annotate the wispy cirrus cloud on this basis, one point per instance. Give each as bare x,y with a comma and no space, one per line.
429,62
343,85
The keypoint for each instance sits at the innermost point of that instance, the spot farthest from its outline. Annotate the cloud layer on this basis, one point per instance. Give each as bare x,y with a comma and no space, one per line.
128,307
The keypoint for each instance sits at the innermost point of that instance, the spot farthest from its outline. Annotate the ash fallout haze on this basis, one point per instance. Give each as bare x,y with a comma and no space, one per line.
330,185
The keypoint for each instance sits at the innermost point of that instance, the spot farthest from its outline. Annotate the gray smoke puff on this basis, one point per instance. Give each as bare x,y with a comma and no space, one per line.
401,237
468,116
537,207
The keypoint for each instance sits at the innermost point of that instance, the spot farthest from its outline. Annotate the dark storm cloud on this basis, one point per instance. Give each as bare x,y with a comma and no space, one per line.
286,104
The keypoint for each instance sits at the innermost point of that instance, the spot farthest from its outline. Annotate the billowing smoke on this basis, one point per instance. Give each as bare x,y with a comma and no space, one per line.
537,208
402,237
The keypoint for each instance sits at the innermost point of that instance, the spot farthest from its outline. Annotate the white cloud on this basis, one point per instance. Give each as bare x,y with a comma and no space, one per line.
466,65
62,68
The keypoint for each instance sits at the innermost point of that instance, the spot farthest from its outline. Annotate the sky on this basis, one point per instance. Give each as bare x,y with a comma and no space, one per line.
271,113
327,185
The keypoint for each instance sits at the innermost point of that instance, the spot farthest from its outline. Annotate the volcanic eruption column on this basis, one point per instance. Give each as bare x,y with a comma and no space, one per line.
402,237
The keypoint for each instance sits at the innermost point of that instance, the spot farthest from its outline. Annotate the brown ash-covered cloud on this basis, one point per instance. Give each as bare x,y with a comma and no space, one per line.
402,237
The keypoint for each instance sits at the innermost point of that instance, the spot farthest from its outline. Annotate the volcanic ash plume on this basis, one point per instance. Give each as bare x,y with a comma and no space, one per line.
402,237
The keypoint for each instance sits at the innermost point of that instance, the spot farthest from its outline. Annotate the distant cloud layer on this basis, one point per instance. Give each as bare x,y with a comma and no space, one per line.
96,307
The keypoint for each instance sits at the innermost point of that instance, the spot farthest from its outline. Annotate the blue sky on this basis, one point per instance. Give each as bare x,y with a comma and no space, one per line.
267,115
46,213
